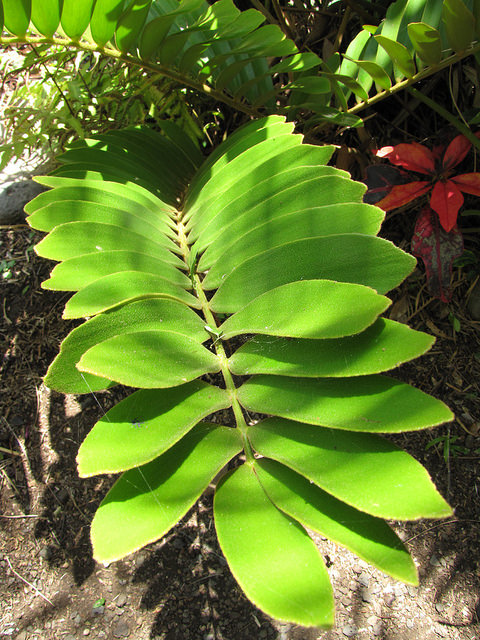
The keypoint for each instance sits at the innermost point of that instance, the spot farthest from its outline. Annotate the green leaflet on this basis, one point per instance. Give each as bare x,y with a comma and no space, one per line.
58,213
266,227
459,24
16,16
150,421
370,538
355,258
158,359
148,501
76,16
345,309
130,24
78,238
426,41
265,547
104,20
380,76
375,404
142,315
46,15
79,272
399,54
119,288
381,480
384,345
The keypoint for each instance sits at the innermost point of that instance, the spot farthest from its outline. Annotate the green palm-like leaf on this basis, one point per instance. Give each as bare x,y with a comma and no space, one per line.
190,41
169,265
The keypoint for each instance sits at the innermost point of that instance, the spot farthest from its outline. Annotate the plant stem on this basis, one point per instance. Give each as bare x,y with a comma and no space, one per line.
218,344
421,75
458,124
182,79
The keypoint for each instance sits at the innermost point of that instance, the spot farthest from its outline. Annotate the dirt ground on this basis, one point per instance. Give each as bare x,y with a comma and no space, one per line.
180,588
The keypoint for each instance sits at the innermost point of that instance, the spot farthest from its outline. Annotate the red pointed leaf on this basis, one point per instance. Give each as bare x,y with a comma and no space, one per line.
468,183
380,179
403,194
414,157
456,151
446,200
437,249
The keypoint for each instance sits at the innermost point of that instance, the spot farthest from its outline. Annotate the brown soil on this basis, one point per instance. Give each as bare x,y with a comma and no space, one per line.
180,588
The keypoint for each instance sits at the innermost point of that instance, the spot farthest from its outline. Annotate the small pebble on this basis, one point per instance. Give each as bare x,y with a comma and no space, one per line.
86,632
371,620
440,630
349,630
77,619
377,629
121,630
98,610
389,599
121,601
45,553
434,561
364,579
367,595
440,607
410,624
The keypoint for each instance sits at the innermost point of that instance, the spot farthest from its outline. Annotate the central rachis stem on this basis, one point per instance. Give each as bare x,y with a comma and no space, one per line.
217,343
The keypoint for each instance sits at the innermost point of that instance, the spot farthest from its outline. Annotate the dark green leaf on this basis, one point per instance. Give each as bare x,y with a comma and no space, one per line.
459,24
426,41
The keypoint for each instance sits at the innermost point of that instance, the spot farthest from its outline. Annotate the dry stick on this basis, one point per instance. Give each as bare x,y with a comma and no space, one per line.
341,29
25,515
259,6
27,582
286,28
435,526
13,453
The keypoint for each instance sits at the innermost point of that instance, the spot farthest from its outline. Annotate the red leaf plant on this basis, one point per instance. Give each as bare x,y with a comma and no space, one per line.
437,244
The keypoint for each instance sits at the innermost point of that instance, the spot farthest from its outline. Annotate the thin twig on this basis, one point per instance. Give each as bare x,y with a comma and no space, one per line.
259,6
13,453
462,128
24,515
281,19
27,582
